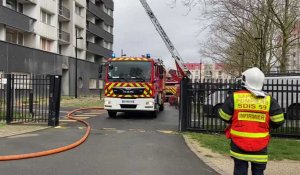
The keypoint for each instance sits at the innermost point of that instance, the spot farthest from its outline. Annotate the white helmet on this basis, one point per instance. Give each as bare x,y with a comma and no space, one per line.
253,79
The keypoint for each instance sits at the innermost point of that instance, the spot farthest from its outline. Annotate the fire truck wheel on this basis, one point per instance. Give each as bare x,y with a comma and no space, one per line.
161,107
112,114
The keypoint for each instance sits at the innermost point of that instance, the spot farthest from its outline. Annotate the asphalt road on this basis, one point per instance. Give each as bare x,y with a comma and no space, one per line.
131,144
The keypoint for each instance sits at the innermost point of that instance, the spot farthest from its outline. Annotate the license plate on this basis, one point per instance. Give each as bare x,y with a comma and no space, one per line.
128,101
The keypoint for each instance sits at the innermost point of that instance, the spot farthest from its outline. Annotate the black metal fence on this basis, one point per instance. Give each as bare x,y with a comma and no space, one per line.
28,98
200,102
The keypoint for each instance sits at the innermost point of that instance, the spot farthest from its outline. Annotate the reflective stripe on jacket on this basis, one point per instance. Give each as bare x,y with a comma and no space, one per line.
250,122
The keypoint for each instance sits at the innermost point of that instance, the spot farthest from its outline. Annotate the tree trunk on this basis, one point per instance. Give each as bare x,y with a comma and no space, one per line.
284,56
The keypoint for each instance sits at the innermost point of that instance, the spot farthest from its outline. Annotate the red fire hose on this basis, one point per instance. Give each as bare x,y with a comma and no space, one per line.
56,150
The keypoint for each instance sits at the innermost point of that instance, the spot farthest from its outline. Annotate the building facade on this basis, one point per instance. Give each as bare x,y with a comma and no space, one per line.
207,71
46,37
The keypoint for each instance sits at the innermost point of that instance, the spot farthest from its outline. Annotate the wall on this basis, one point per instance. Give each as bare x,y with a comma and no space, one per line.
15,58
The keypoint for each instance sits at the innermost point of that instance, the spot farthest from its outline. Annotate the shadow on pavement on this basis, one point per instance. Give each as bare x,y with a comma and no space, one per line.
134,116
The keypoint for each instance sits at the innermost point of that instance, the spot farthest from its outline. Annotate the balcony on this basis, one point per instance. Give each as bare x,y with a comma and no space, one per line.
63,13
96,30
27,1
97,11
49,6
63,37
81,2
98,50
109,4
15,19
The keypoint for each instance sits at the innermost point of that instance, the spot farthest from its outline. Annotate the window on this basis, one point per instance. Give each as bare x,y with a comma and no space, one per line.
78,10
11,36
20,8
110,12
78,31
59,49
14,36
45,44
107,28
12,4
105,9
79,52
46,17
110,29
20,38
108,45
133,71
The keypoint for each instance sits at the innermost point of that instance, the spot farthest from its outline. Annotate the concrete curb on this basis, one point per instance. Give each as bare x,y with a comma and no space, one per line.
189,142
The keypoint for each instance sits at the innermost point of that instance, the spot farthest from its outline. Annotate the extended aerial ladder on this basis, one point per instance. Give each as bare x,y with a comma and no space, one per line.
181,68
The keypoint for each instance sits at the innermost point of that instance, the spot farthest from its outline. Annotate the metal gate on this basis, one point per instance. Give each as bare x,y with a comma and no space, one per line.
26,98
200,102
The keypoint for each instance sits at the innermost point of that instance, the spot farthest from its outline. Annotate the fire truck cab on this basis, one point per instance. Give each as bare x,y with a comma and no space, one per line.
171,88
134,84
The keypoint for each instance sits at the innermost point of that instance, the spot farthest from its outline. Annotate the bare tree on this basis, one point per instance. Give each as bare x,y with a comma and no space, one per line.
286,15
238,29
246,33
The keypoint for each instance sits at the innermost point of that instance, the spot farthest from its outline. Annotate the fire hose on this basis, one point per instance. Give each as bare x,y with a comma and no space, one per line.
59,149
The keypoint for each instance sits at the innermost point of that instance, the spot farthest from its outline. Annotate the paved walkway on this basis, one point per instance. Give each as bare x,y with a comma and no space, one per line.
224,164
17,129
220,163
11,130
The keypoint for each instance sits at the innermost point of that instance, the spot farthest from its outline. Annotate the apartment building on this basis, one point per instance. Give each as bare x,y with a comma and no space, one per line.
207,71
46,37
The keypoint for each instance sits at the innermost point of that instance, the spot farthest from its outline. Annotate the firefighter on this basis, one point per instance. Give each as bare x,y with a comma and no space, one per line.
251,114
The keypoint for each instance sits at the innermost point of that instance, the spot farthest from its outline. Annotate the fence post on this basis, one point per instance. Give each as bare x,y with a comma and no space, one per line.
31,103
54,100
8,100
183,110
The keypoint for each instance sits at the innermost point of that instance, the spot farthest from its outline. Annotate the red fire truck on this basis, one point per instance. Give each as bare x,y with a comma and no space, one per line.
171,88
134,84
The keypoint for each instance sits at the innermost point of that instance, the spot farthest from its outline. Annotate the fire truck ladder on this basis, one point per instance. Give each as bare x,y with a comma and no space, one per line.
178,60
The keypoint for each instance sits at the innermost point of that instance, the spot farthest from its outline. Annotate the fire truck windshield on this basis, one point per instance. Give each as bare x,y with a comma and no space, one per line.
133,71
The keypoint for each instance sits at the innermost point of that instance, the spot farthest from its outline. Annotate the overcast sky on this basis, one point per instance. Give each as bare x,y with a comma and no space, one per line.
136,35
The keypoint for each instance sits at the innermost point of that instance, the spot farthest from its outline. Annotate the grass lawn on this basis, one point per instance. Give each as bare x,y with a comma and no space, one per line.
2,125
279,148
81,102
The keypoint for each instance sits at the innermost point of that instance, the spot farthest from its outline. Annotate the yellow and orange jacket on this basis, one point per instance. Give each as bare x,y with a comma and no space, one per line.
251,119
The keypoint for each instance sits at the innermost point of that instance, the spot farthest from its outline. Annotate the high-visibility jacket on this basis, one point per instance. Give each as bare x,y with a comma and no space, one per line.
250,123
250,120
